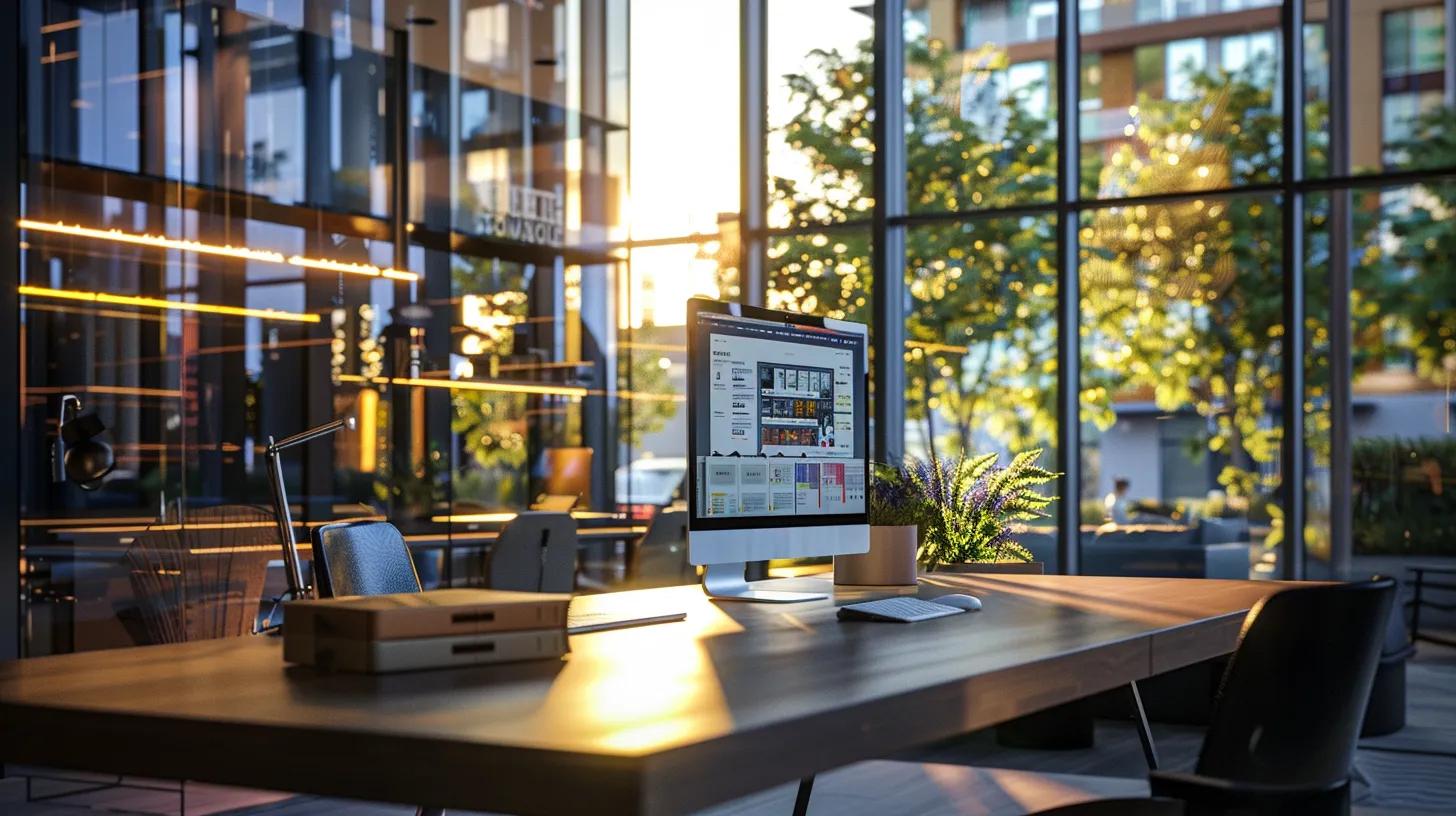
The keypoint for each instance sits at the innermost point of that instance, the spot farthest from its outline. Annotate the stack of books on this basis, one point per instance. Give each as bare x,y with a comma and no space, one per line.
425,630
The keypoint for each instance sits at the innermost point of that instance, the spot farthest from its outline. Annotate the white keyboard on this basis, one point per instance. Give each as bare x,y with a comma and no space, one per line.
897,610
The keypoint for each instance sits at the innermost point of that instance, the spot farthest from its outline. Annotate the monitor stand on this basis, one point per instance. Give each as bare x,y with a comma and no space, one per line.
725,582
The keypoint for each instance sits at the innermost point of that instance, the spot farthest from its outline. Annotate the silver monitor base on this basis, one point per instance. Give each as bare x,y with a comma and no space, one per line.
724,582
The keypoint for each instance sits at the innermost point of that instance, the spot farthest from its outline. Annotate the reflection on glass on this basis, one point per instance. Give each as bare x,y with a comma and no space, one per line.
980,127
1181,350
820,67
980,350
1189,104
1398,107
1403,310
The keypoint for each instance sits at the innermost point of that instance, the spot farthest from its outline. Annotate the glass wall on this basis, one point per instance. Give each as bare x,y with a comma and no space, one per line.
241,220
473,225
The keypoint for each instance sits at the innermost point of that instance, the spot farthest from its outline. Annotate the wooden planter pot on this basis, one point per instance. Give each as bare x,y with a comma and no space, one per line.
890,561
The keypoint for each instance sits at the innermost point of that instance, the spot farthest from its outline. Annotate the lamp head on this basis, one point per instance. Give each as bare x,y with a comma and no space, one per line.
79,454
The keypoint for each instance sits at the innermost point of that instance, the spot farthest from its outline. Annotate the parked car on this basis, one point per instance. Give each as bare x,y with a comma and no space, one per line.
656,481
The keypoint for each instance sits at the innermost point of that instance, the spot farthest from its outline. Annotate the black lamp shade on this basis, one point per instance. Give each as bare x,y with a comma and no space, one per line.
88,461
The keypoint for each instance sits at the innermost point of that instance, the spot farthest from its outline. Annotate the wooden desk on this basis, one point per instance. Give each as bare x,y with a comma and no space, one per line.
661,719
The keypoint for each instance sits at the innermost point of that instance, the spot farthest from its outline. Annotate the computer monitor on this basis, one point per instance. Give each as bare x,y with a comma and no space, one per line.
778,441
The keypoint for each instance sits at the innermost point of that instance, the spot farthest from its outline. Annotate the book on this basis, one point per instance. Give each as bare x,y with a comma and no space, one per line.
408,654
313,626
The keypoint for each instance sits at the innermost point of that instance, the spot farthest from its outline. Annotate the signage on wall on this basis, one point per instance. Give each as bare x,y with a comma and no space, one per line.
526,214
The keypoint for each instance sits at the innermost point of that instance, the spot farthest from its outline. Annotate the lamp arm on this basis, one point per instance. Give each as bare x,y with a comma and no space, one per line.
292,564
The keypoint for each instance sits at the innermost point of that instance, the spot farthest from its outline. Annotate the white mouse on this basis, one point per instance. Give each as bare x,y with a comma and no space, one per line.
970,603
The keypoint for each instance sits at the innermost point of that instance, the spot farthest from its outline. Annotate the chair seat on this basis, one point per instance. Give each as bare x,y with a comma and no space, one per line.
929,789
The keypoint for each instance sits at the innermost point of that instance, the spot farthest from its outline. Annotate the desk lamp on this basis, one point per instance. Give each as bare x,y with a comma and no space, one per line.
291,565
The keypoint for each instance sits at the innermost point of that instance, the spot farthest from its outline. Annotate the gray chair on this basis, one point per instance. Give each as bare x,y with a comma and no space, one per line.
362,558
536,552
660,557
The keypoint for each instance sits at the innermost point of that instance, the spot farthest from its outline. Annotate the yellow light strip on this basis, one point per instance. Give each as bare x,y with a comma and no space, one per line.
222,250
159,303
473,385
504,516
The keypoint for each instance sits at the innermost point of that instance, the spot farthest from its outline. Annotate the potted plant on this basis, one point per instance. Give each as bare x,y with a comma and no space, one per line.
970,504
895,511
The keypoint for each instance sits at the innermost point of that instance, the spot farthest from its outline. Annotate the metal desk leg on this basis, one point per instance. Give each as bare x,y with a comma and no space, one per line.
1416,605
801,801
1145,734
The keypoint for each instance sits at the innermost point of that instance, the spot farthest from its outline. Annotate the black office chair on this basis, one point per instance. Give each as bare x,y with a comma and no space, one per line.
536,552
362,558
660,557
1288,713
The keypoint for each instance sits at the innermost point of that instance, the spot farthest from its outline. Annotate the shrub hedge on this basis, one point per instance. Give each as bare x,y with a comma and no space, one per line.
1405,496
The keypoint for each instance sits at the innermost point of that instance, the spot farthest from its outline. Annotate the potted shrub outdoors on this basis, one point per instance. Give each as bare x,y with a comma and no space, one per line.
970,505
895,511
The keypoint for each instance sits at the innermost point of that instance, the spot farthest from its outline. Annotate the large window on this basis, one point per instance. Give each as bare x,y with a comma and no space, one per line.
476,233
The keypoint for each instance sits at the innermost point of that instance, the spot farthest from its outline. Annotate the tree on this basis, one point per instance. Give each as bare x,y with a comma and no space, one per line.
981,351
1181,301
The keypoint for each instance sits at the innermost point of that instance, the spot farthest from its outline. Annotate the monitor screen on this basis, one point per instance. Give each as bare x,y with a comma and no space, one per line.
778,420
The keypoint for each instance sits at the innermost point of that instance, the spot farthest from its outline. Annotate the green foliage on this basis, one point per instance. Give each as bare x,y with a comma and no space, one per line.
965,506
1405,496
893,502
1180,300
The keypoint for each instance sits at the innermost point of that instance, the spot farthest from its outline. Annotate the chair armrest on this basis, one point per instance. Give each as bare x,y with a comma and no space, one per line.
1211,791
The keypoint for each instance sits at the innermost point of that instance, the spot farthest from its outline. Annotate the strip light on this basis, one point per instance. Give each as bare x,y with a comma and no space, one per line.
474,385
159,303
510,387
221,250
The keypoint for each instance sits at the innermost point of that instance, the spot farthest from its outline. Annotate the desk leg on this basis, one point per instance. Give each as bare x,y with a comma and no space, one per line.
1145,734
1416,606
801,801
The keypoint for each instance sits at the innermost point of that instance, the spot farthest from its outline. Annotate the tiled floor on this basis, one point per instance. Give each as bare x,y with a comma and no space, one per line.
1410,772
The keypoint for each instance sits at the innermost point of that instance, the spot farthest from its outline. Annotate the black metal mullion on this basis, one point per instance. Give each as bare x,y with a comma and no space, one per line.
887,245
1341,365
1292,447
752,148
11,139
1069,362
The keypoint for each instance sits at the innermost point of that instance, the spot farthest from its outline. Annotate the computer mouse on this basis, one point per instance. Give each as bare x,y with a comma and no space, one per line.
970,603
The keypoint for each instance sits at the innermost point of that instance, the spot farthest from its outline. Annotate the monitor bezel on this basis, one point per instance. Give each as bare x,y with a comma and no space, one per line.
696,523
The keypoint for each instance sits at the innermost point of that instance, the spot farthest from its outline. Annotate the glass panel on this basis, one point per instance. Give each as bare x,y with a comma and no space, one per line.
685,113
486,362
824,273
1180,387
980,356
289,112
518,114
1399,108
820,66
1181,96
652,380
980,109
1404,323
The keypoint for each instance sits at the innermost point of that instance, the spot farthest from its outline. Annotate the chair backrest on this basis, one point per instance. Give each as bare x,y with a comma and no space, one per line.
536,552
1292,699
201,576
660,557
362,558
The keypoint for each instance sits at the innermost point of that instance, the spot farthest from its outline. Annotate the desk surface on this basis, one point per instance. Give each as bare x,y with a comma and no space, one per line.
661,719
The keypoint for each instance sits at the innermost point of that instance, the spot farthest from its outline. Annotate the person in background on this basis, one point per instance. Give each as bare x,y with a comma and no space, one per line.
1117,503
